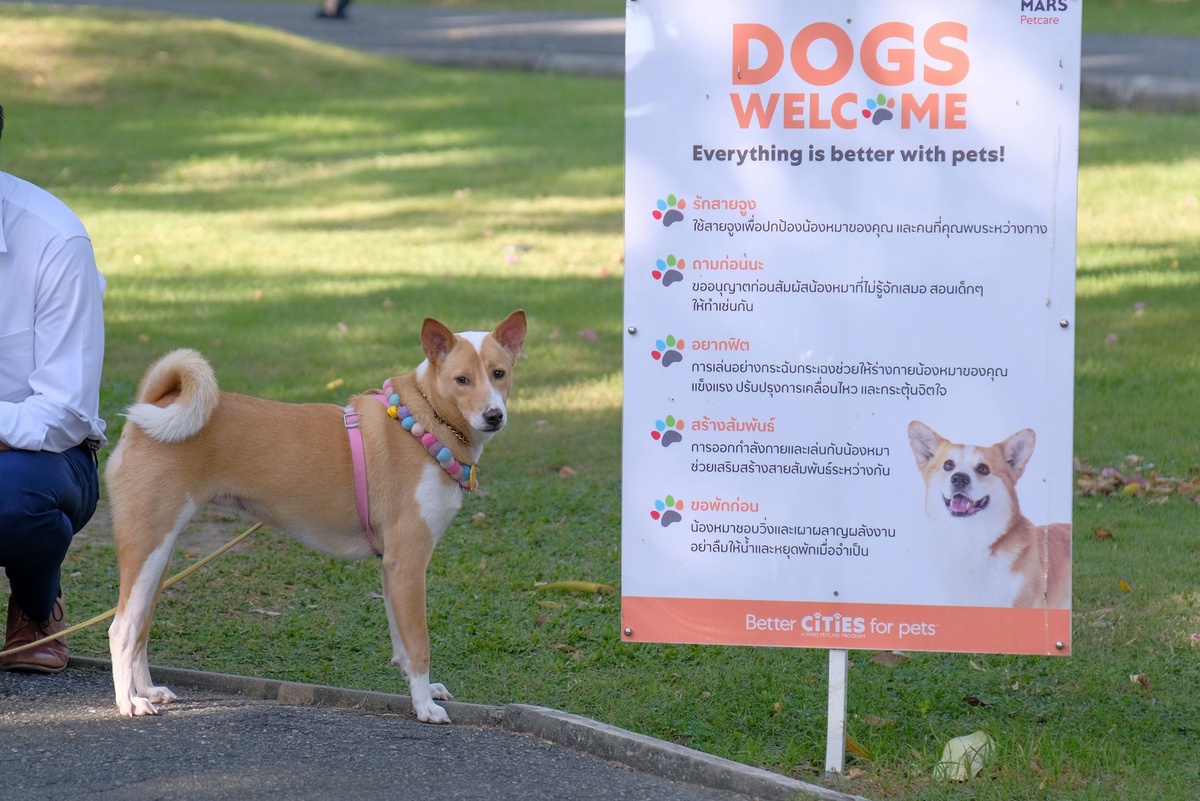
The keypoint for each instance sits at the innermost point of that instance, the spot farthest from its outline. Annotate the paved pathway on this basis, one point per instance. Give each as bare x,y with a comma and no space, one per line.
234,738
1156,73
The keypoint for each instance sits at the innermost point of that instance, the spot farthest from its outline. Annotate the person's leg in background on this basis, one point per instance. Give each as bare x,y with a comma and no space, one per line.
332,9
45,499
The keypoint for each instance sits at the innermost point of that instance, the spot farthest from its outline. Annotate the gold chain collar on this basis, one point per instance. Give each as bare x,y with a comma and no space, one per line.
461,437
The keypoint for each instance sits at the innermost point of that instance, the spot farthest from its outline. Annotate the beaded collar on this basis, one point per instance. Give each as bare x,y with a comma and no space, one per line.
467,476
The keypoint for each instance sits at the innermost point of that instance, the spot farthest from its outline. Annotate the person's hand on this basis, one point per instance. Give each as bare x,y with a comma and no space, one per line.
4,447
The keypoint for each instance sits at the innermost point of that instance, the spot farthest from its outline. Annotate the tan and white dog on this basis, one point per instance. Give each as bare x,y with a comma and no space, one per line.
187,444
988,553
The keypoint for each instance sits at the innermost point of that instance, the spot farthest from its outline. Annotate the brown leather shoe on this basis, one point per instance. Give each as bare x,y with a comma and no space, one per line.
49,657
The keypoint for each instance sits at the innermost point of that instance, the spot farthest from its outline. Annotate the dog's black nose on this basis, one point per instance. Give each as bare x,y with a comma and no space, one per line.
960,481
493,417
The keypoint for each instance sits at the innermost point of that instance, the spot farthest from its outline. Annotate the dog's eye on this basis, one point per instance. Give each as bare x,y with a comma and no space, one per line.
462,380
983,469
948,466
498,374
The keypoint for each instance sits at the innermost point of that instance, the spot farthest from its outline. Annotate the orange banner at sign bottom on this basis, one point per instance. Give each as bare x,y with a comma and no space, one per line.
871,627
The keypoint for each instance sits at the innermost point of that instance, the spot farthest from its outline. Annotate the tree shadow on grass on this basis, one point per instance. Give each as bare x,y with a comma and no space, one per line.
177,115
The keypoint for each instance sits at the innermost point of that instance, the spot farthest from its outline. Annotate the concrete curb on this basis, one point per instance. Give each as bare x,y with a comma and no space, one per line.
587,64
667,760
1154,93
634,751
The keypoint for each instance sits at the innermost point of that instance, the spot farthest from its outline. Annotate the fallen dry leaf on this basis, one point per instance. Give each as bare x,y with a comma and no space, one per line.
1102,533
579,586
567,472
857,749
575,653
1113,482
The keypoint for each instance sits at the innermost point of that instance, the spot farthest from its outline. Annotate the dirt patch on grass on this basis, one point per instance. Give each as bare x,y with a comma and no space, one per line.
206,532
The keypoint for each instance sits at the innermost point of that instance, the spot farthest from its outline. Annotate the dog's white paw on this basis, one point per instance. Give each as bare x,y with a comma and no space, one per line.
136,706
431,713
159,695
423,694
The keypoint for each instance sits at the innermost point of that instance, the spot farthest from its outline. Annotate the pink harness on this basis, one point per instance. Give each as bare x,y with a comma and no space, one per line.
466,477
350,418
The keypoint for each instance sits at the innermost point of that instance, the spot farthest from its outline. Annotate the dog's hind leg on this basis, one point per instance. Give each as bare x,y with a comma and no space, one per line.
404,594
141,575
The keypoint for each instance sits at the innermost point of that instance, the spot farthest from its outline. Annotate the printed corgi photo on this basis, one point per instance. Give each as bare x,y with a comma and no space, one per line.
986,551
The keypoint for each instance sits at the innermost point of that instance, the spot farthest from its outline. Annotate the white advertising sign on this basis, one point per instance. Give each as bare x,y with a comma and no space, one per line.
850,265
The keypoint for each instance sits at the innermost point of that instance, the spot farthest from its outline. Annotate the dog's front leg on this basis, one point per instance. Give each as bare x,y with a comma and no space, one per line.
404,594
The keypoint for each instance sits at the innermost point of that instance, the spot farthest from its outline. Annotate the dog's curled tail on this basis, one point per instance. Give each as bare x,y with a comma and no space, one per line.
176,398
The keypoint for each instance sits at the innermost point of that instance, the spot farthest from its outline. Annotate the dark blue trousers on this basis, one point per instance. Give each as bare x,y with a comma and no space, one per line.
45,498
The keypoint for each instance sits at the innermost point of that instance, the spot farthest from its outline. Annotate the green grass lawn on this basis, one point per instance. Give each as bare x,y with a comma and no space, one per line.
1142,16
295,210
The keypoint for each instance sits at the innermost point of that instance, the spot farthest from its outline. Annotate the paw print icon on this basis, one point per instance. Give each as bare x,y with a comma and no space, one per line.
668,351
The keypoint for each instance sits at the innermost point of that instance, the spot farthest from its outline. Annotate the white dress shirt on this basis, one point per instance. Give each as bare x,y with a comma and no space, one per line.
51,323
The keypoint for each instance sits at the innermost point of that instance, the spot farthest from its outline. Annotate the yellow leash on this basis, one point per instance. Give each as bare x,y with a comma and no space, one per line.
180,576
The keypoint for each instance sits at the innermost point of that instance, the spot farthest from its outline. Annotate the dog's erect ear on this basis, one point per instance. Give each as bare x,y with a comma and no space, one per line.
436,339
511,332
1018,449
924,441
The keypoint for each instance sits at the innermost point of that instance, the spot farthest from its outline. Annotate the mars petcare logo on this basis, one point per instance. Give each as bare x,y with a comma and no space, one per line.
910,73
1044,5
1042,12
